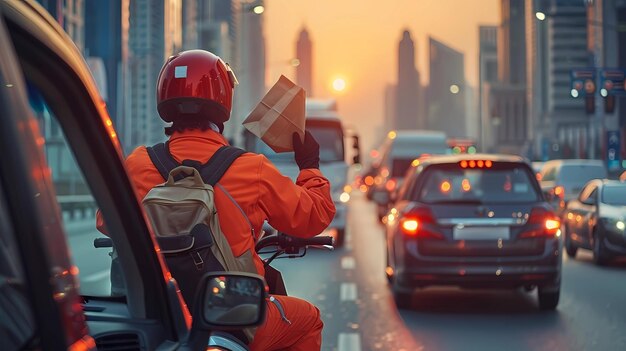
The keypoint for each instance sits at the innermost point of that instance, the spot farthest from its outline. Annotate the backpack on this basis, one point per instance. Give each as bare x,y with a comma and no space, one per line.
185,221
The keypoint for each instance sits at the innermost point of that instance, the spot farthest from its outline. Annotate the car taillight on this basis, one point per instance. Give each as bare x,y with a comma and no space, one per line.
391,184
418,223
545,222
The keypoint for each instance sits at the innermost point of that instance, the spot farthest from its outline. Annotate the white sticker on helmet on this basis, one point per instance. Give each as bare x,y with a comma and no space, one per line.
180,72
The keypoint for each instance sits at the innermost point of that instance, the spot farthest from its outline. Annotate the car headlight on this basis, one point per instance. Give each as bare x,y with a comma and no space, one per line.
615,224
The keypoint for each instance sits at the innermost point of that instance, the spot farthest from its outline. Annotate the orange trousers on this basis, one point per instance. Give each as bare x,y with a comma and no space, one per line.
303,332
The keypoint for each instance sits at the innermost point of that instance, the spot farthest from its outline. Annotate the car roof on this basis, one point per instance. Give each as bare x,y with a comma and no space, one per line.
443,159
412,134
590,162
611,182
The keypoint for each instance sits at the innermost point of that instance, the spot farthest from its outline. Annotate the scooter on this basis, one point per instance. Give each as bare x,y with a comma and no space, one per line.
273,245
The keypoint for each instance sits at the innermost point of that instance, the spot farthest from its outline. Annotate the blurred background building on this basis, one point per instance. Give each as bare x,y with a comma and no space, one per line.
407,93
446,91
304,55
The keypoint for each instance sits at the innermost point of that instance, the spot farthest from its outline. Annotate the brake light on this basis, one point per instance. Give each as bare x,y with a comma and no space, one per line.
415,223
476,164
409,226
549,224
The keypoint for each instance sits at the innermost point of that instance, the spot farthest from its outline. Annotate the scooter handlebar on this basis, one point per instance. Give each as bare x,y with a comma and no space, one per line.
285,241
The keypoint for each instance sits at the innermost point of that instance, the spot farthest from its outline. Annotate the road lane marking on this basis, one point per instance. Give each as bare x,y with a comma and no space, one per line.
349,342
96,276
348,262
347,292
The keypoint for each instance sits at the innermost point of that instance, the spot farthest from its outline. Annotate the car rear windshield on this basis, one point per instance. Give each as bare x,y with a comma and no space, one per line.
614,195
501,183
581,174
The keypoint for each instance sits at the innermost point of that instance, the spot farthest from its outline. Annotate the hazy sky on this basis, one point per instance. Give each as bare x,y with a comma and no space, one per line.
358,40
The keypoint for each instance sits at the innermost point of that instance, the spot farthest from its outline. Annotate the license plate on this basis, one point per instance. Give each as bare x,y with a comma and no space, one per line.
481,233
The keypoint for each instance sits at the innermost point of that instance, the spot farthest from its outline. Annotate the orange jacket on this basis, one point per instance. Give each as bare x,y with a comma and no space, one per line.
303,209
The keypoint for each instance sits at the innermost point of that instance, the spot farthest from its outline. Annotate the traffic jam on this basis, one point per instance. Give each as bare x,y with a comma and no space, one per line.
296,232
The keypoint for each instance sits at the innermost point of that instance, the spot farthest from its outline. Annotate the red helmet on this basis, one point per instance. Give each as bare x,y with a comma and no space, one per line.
195,83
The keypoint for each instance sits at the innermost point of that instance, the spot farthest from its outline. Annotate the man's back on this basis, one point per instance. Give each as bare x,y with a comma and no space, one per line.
253,183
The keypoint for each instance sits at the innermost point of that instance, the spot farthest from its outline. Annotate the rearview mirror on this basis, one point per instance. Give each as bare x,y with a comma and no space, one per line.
230,300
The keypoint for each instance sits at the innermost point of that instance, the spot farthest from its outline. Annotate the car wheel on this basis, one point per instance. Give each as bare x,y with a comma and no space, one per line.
548,298
600,257
570,247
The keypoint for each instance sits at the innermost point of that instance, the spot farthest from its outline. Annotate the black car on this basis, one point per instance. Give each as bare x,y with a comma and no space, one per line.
596,220
474,221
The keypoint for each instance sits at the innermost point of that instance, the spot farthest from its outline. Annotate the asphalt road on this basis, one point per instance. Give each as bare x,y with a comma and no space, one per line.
349,287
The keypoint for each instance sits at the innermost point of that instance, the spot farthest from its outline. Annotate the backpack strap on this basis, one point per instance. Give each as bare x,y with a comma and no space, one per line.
214,169
162,159
211,172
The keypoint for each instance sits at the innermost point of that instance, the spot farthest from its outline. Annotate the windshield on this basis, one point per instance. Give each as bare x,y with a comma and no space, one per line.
614,195
504,183
330,139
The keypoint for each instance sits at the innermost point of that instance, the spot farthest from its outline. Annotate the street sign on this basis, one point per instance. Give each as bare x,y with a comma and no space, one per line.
612,150
612,81
582,81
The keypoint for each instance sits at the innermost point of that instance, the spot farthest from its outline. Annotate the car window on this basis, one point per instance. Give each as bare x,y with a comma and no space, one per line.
548,173
614,195
77,205
503,183
581,174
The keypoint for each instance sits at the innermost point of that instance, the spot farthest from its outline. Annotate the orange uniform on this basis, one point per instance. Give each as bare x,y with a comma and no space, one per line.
303,209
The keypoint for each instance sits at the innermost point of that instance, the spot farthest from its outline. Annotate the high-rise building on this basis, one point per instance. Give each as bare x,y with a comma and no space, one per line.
104,33
304,53
512,43
155,34
407,114
389,122
249,63
71,15
487,75
555,46
216,31
446,91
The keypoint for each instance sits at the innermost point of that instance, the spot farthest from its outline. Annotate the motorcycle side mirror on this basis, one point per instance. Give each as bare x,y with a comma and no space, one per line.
225,301
230,300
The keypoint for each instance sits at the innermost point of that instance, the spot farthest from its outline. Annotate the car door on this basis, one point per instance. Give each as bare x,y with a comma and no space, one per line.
589,213
580,215
57,95
39,301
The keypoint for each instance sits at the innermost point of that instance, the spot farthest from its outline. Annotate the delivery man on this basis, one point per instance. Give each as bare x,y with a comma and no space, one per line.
195,92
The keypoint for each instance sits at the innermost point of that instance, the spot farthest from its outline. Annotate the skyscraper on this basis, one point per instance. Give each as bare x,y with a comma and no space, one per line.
487,75
304,53
155,34
407,115
71,15
446,92
249,64
103,39
504,118
555,46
